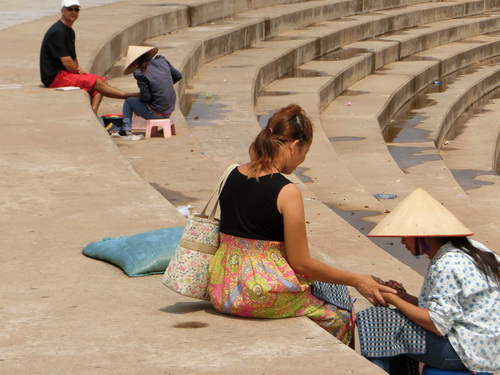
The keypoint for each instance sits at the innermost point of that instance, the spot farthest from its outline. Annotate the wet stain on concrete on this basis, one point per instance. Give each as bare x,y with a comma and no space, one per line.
173,197
407,157
392,246
189,325
345,139
467,178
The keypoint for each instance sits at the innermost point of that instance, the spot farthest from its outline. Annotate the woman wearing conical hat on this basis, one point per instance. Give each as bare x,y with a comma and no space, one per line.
458,306
156,78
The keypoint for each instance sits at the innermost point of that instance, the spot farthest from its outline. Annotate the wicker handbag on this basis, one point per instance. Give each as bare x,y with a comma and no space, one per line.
187,272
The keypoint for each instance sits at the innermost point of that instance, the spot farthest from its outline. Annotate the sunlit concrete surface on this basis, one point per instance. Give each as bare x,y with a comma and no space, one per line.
17,12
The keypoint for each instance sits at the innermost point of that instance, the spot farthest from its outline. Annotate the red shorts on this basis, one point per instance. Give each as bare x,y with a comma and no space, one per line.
84,81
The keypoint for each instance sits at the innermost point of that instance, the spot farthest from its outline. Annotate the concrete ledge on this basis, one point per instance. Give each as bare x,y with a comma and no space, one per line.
67,184
455,101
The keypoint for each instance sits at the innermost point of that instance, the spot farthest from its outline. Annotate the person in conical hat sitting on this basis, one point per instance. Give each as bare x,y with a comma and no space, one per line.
156,78
459,304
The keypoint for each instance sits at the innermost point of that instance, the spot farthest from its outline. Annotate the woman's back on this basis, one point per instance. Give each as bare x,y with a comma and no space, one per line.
249,206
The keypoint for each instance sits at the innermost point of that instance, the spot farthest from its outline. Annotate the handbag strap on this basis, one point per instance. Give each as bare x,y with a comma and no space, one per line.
217,191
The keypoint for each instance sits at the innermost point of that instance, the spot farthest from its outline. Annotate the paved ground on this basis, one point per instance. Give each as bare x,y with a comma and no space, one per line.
17,12
66,183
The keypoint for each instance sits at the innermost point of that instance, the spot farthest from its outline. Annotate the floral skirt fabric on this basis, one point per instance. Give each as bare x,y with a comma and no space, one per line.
252,278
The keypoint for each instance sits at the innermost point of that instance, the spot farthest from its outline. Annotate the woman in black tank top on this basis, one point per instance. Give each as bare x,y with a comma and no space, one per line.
261,265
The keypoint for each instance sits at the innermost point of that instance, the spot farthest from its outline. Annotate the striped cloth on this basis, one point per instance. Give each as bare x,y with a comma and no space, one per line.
385,332
337,295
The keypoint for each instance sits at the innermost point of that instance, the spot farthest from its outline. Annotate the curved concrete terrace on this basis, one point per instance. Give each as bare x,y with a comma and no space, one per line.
65,185
231,102
290,48
77,165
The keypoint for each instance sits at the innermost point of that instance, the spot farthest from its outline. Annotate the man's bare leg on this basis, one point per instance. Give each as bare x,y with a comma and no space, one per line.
96,101
112,92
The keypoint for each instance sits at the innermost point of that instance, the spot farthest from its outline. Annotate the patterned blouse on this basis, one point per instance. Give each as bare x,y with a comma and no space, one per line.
464,306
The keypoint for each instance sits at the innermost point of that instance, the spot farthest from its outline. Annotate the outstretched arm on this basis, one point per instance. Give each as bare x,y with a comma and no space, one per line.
401,291
418,315
291,206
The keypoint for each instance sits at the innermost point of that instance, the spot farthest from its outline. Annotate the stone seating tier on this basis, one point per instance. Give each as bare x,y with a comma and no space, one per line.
99,319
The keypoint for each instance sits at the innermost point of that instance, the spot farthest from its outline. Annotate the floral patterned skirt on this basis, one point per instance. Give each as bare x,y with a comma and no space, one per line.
252,278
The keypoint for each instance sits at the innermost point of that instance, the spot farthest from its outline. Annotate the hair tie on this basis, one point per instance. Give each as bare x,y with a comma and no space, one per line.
271,130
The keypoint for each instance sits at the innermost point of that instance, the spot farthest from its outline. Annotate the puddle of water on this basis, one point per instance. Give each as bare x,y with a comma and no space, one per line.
201,109
402,128
407,157
304,73
342,54
392,246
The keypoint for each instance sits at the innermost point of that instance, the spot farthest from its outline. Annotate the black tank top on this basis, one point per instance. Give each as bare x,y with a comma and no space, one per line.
249,207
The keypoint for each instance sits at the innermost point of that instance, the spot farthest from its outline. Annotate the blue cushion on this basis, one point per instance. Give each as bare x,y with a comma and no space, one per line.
142,254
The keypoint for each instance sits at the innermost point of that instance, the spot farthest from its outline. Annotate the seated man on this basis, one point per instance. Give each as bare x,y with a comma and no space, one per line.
59,64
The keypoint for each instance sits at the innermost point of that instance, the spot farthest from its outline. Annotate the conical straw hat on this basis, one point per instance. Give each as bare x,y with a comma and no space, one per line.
419,215
134,52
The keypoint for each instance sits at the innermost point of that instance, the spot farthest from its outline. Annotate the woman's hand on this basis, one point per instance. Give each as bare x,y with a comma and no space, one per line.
398,287
371,287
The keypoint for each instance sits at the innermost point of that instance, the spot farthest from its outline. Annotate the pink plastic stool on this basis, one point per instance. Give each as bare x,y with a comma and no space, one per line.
165,124
141,124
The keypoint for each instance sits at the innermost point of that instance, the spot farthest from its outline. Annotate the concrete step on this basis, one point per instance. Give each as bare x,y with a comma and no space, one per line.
448,106
430,173
471,153
66,184
207,134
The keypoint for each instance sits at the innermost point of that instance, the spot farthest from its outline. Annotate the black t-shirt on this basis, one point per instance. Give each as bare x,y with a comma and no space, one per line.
59,41
249,208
